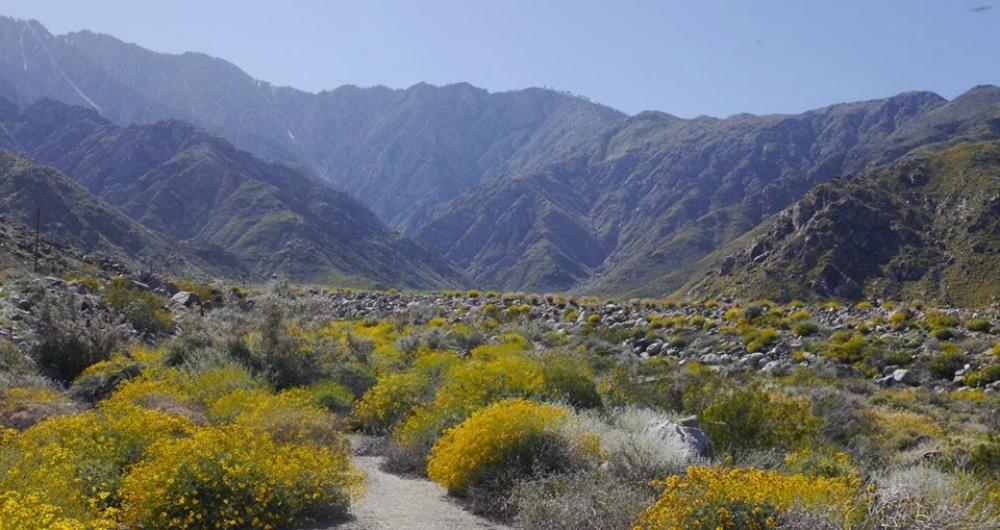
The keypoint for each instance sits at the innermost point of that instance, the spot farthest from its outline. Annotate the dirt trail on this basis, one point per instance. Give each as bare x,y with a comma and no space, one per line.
394,502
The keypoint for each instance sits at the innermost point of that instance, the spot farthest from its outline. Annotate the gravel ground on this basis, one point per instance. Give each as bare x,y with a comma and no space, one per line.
394,502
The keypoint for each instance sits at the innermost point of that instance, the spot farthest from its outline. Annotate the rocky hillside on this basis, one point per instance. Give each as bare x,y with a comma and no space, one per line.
927,227
72,217
180,181
398,151
634,209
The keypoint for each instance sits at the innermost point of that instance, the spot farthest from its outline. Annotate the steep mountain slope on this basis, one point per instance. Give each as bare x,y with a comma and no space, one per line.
185,183
72,216
399,151
926,227
655,195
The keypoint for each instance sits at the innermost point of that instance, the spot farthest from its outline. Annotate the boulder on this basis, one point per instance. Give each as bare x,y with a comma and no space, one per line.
185,299
689,431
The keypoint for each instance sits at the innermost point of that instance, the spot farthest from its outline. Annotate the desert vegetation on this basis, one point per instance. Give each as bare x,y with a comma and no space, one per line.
122,410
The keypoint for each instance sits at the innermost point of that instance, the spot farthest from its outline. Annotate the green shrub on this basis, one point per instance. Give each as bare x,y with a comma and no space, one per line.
805,329
754,419
566,380
985,457
847,347
756,339
332,396
141,308
937,319
946,363
69,341
979,324
983,376
942,333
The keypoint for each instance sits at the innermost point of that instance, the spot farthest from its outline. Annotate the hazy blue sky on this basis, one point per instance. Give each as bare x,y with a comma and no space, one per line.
688,58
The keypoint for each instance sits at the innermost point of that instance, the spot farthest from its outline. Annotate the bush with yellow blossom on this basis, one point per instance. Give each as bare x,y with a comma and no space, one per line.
512,436
710,498
235,477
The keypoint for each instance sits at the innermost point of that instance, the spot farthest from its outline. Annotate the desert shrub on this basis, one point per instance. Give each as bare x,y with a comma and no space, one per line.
900,318
979,324
743,498
23,512
985,375
805,328
77,462
942,333
12,360
389,401
937,319
753,419
212,383
847,347
567,380
331,396
508,440
824,462
290,417
588,499
476,383
985,457
900,430
69,340
923,498
279,355
235,477
636,444
945,363
756,339
24,406
141,308
100,379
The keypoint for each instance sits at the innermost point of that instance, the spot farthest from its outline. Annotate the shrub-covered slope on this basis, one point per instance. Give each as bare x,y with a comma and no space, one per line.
70,215
652,197
183,182
927,227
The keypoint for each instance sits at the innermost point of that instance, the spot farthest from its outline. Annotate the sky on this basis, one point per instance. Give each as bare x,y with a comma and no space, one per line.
698,57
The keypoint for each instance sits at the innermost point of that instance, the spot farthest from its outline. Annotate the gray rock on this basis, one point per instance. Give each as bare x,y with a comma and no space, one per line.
185,299
710,358
905,377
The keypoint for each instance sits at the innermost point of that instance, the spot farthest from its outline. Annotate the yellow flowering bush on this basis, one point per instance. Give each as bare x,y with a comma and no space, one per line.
465,388
391,399
235,477
77,462
29,512
21,407
711,498
291,417
211,384
506,435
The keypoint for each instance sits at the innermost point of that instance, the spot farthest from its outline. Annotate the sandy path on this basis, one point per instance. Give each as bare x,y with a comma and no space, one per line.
395,502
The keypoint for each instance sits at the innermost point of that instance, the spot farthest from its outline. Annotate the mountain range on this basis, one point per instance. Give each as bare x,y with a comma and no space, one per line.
531,190
189,186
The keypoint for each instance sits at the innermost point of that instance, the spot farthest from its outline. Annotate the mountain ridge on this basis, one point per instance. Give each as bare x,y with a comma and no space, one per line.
391,148
178,180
